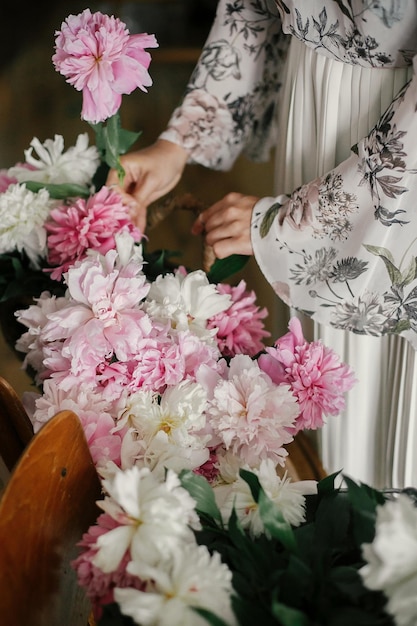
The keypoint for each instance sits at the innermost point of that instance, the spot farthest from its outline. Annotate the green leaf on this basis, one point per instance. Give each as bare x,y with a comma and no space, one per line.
268,219
326,484
224,268
347,580
253,481
199,488
270,514
59,192
364,500
288,616
112,141
112,616
275,524
210,617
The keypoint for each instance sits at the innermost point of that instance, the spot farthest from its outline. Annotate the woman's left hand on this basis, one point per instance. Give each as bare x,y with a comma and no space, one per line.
226,225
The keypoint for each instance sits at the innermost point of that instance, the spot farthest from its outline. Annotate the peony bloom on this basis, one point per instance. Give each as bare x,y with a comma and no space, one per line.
193,578
178,412
86,224
76,166
240,328
287,496
99,57
153,518
103,320
164,430
392,559
252,415
94,412
22,217
317,378
186,302
31,342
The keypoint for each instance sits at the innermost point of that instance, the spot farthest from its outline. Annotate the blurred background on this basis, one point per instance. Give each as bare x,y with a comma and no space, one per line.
36,101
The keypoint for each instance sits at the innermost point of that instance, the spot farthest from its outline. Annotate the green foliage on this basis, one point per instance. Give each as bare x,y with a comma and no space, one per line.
224,268
297,576
112,616
19,280
112,141
59,192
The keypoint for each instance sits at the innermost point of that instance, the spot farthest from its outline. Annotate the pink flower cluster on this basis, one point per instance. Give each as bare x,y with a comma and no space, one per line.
314,372
86,224
99,57
99,586
240,329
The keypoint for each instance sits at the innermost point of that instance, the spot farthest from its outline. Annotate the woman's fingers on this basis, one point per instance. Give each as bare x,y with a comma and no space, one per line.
226,225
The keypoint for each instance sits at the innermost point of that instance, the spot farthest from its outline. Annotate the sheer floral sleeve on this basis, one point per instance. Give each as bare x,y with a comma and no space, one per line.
231,97
343,248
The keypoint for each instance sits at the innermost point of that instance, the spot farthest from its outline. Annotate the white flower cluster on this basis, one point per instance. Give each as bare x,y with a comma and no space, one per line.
75,166
22,212
392,559
22,217
155,525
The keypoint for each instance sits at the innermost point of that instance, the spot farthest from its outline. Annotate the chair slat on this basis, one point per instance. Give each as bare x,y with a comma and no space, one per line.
48,503
15,427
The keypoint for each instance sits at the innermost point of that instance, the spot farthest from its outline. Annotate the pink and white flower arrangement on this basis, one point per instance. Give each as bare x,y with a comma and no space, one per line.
167,374
137,360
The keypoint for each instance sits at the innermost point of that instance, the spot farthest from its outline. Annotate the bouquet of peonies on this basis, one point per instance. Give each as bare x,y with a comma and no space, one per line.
172,552
186,412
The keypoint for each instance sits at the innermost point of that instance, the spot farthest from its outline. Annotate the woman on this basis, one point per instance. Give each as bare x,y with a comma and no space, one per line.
329,84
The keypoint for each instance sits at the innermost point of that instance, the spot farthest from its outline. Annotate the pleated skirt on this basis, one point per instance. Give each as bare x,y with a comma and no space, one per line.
326,106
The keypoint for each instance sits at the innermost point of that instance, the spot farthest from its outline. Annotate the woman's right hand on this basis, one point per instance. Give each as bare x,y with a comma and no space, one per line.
150,173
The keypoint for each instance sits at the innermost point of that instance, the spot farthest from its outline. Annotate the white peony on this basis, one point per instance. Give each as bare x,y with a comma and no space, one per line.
161,453
192,578
153,517
287,496
22,217
76,166
392,559
179,412
187,302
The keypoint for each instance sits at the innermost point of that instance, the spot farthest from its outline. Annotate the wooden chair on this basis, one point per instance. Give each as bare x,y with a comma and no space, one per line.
48,503
15,427
303,461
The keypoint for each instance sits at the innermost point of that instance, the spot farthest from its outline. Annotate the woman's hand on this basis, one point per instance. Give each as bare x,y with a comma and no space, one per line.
226,225
150,173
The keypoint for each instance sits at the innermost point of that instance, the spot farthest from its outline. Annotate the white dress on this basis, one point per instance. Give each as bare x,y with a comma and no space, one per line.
375,438
338,242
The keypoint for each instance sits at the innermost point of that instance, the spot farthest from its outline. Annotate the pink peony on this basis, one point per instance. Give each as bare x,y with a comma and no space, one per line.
103,320
240,327
251,415
317,378
99,586
91,224
99,57
94,412
209,469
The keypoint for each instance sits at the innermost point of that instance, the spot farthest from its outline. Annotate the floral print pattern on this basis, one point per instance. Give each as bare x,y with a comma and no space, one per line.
341,248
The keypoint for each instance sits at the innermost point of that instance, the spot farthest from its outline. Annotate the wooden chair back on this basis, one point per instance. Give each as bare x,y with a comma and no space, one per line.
303,461
47,505
15,427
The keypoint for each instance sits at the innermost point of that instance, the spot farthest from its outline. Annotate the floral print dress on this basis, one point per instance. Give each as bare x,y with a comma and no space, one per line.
341,246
